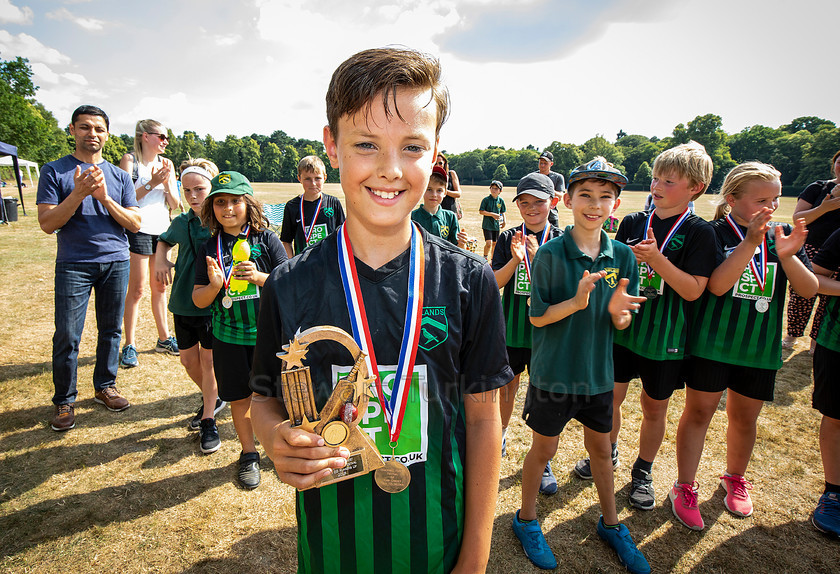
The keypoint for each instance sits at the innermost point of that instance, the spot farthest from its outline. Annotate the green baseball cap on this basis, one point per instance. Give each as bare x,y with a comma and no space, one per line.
231,182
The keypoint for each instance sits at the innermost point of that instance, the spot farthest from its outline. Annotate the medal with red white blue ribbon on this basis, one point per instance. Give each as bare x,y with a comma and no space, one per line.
758,268
671,232
308,234
394,409
543,239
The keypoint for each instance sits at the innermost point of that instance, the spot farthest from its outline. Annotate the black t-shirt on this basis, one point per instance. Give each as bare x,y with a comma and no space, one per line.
461,351
330,217
826,224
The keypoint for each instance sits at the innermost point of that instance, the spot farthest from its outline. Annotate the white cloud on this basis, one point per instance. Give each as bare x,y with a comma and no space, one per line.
27,46
41,73
228,40
89,24
14,15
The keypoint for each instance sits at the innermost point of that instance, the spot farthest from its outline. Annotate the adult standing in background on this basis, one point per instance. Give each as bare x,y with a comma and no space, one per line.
819,205
545,162
90,203
453,187
157,193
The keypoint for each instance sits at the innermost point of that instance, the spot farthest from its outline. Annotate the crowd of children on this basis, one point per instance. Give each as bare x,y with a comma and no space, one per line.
673,300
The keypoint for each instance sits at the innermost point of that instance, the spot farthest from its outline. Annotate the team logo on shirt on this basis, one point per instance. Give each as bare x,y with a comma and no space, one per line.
434,328
444,231
676,243
612,276
256,250
329,212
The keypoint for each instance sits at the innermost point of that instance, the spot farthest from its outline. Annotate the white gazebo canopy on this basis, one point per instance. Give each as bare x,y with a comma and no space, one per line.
6,161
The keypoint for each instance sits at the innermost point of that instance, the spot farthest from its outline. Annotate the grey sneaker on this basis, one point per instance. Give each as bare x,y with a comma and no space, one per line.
168,346
248,475
641,490
128,357
584,471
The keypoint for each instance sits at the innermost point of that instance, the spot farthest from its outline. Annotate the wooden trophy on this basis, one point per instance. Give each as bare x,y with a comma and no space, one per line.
338,421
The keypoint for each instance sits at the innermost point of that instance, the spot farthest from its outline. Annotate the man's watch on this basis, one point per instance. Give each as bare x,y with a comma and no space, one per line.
147,187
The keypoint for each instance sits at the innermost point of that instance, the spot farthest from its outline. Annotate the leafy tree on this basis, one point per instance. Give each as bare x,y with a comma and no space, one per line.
193,146
811,124
600,146
566,157
18,76
249,158
288,171
114,150
212,150
522,162
817,161
228,155
501,173
472,166
271,162
755,143
788,155
707,131
643,174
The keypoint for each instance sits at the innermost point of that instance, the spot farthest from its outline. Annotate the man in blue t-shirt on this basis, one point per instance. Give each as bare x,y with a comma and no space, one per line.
89,203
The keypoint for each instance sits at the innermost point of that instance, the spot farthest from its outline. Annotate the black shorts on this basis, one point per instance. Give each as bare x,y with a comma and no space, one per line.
232,365
518,359
715,377
826,397
659,378
547,413
142,243
491,234
192,330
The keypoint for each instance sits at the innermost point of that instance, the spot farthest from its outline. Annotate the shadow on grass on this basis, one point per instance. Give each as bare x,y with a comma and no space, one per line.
21,370
789,542
267,551
794,376
27,470
54,519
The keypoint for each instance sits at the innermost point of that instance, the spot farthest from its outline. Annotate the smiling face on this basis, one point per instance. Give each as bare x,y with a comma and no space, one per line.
434,195
230,211
592,201
385,161
156,140
672,191
195,188
312,182
756,194
534,211
90,133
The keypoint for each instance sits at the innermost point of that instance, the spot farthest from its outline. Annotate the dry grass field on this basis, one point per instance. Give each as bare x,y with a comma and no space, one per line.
131,492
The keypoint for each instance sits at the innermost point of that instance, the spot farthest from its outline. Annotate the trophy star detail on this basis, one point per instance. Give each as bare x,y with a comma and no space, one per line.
338,421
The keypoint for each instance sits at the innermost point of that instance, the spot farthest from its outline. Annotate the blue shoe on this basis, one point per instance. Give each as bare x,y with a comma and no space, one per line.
533,543
168,346
548,484
826,517
128,357
619,540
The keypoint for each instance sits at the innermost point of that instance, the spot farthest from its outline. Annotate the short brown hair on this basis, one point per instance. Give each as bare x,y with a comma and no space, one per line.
312,163
364,76
254,214
436,177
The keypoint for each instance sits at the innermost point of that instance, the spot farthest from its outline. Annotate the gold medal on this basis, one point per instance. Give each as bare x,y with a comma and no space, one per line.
528,301
227,302
394,477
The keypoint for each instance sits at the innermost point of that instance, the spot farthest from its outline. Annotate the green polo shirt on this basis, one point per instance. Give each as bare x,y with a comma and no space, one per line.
187,233
493,205
575,355
444,223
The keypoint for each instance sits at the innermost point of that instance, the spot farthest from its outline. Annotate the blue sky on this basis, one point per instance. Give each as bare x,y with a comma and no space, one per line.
525,72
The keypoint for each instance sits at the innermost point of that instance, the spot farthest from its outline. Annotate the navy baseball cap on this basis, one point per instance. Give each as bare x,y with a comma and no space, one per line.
536,184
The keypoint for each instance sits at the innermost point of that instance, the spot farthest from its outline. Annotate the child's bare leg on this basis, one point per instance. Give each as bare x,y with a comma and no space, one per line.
619,394
830,449
600,459
492,246
654,417
542,449
487,245
209,388
241,411
699,409
740,432
507,399
191,360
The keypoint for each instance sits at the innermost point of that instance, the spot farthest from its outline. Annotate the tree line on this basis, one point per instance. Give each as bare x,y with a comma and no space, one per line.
801,149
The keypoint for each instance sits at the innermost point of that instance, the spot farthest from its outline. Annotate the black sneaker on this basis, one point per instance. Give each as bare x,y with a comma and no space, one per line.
195,422
210,441
641,491
249,470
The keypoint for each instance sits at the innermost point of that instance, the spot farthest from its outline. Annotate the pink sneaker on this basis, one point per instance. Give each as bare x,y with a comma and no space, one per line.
684,504
737,500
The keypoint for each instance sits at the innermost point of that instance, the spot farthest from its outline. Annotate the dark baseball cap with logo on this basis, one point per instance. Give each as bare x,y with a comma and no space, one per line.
231,182
536,184
547,155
